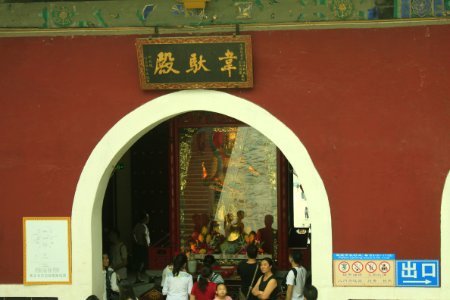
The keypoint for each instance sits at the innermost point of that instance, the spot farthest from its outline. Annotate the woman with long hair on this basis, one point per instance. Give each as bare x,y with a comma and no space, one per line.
178,286
210,261
266,286
111,290
204,289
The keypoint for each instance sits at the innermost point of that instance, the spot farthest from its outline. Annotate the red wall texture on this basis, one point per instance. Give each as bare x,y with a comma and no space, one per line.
372,106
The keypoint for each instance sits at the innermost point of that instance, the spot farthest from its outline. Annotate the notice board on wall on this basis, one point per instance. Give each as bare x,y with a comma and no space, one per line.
366,270
46,250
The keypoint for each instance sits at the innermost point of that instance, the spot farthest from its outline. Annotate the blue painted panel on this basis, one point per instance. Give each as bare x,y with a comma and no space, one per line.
417,273
363,256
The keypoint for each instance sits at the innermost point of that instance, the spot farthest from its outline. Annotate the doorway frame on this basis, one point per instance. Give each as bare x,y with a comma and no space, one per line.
94,177
86,213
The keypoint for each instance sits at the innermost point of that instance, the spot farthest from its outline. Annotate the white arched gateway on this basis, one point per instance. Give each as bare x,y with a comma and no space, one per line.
87,205
94,178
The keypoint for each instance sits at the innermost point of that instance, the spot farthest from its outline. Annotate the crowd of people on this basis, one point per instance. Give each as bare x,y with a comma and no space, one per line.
258,280
117,284
177,283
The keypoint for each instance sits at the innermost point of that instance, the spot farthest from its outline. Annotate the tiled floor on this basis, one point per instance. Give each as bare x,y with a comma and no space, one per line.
153,278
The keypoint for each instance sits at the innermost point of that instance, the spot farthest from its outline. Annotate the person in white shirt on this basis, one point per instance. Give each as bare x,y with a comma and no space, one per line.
296,278
178,286
111,289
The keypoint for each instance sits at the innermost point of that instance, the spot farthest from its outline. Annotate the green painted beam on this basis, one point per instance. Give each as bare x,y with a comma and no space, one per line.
171,15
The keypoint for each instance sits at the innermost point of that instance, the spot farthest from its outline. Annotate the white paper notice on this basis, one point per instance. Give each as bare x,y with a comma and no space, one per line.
46,250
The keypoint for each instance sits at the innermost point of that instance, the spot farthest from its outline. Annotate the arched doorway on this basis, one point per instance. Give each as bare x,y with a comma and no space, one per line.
86,235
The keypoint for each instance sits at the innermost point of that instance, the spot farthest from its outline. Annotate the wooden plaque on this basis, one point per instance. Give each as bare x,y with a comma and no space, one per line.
195,62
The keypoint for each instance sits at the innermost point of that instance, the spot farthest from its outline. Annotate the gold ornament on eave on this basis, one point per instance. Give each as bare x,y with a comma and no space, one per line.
343,8
194,4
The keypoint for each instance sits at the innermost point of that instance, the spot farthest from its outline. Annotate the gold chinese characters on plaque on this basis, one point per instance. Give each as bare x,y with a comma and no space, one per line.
195,62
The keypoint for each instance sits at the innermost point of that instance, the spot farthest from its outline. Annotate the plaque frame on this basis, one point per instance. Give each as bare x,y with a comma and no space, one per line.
193,44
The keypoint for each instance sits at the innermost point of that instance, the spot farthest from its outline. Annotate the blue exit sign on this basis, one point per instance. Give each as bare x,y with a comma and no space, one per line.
417,273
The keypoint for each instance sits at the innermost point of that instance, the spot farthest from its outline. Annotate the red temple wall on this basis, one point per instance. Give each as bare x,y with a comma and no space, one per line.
372,106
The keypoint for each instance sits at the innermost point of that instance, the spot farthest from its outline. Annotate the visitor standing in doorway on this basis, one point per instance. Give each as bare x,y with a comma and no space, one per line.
266,286
111,289
210,261
204,288
179,285
141,236
118,256
249,272
296,277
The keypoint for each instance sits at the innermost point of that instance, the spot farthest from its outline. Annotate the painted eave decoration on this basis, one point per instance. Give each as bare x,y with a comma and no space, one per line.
192,13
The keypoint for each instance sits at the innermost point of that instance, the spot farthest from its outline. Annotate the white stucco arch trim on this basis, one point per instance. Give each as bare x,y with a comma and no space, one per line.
445,237
91,187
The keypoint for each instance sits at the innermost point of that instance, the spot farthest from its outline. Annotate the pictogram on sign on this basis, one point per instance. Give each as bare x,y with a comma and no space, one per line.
371,267
344,267
385,266
357,267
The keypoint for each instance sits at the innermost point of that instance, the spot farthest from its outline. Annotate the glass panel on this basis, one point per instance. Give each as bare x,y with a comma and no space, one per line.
228,188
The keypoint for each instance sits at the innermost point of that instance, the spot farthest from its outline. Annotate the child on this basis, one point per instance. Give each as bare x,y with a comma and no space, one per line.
310,292
221,292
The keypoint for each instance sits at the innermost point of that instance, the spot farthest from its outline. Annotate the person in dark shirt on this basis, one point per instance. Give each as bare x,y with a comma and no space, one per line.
249,272
210,261
266,286
141,236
